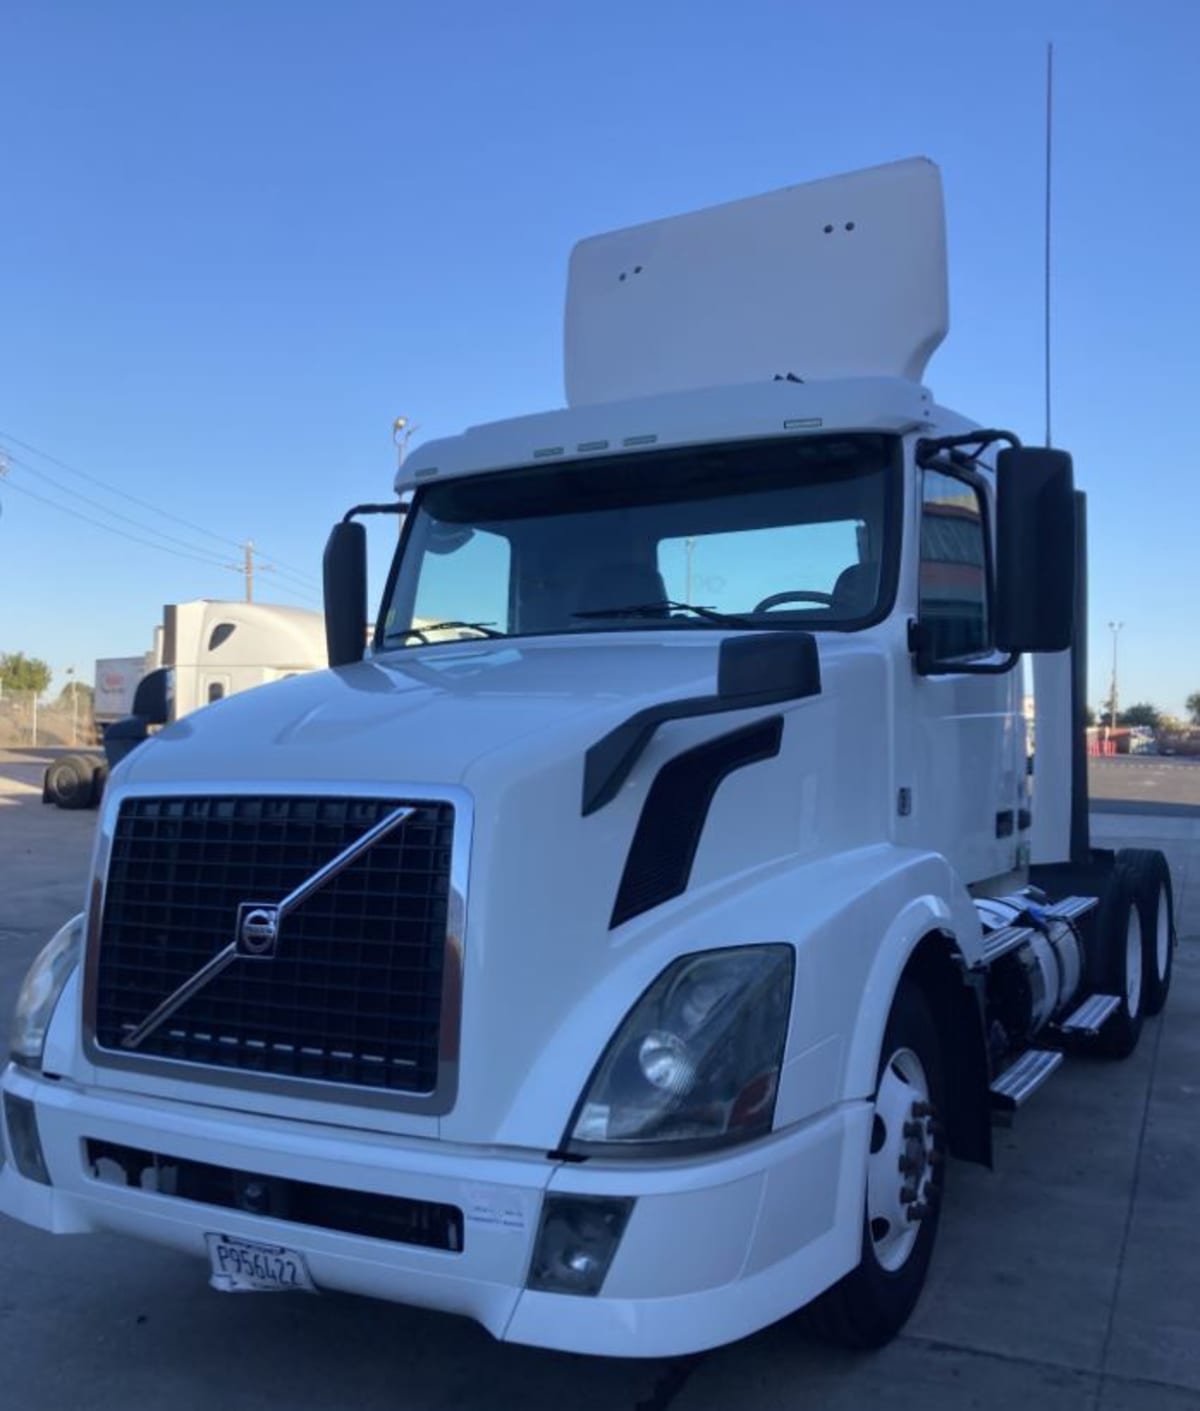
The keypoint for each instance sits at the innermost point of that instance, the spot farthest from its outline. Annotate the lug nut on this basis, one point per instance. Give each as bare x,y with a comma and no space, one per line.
907,1195
917,1212
914,1129
906,1165
922,1109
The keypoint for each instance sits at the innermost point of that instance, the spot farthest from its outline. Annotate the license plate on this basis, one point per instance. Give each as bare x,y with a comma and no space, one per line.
238,1266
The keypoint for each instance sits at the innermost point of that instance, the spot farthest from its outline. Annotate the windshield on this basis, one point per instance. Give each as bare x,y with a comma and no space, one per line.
757,534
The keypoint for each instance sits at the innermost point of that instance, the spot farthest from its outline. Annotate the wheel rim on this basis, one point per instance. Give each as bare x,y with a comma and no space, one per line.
1162,933
900,1183
1133,963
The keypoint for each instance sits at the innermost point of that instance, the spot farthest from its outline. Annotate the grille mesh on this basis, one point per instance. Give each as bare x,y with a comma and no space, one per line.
353,993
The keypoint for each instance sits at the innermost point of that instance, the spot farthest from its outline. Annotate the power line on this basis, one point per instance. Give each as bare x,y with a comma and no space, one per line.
111,528
298,575
124,494
10,484
113,514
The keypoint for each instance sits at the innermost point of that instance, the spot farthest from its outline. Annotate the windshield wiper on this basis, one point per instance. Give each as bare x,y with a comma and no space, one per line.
724,619
485,629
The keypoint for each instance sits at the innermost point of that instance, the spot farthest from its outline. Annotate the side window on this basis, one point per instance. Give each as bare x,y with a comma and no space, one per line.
216,691
953,588
464,577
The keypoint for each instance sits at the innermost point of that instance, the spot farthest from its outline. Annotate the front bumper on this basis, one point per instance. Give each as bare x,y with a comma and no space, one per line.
714,1249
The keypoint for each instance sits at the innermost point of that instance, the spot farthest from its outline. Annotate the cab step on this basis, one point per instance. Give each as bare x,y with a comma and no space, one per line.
1001,941
1071,908
1018,1083
1088,1019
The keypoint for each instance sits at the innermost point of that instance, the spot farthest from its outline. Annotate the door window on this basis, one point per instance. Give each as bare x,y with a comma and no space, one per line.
954,607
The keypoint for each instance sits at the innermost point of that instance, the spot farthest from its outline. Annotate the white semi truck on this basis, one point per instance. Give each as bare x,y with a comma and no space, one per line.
203,651
617,957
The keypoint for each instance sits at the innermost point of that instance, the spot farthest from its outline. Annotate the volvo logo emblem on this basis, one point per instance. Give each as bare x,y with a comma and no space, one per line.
257,930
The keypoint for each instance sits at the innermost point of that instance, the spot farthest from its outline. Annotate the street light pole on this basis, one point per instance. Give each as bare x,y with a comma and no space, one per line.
1114,628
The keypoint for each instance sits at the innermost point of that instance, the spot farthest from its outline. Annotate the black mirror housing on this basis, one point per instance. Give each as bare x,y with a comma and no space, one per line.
345,579
783,666
152,699
1035,550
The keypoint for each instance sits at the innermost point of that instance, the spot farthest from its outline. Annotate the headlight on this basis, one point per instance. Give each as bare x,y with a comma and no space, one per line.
697,1059
43,985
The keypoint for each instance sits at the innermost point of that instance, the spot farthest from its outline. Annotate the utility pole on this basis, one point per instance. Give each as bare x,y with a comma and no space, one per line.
248,568
1114,628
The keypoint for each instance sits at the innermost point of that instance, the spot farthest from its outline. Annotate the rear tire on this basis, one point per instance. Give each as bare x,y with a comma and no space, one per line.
906,1173
1123,965
70,782
1151,880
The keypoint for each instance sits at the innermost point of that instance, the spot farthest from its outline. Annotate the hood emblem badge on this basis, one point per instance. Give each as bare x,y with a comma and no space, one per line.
257,930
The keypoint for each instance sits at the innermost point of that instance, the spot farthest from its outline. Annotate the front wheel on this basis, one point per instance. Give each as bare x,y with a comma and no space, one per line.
906,1177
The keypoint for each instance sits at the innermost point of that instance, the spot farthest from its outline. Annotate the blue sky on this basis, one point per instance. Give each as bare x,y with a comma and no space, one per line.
239,239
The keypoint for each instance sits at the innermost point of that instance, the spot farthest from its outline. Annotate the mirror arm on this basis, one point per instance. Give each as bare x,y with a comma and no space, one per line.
929,449
397,507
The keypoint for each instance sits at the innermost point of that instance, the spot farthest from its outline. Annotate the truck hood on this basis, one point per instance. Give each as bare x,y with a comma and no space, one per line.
426,716
548,967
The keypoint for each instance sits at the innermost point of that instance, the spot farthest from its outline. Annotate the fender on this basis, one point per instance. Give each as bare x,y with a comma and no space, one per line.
854,918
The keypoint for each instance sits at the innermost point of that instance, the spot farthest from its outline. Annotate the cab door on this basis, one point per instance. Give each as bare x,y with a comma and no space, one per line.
967,728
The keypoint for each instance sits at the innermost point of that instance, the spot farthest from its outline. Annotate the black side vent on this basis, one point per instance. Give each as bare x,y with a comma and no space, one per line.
673,816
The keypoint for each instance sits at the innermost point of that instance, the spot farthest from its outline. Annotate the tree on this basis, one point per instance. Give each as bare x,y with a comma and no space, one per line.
81,691
1143,713
1193,707
21,673
1089,715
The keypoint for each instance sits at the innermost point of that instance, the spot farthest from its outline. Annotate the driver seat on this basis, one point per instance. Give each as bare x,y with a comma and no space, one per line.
856,590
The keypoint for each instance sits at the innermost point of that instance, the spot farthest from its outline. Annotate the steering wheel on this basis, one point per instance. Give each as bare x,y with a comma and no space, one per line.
801,595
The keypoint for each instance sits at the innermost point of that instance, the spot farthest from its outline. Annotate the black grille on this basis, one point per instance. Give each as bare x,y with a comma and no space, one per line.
354,991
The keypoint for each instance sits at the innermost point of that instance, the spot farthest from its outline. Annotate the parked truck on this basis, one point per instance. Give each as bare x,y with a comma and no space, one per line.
614,966
203,651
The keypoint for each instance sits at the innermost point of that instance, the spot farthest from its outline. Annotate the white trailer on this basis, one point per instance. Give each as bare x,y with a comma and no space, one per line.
203,651
116,680
615,953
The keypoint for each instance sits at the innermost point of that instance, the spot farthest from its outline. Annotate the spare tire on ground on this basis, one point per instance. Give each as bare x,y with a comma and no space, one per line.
70,782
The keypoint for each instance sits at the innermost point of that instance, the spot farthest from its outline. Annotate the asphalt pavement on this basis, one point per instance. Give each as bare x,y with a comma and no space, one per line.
1067,1277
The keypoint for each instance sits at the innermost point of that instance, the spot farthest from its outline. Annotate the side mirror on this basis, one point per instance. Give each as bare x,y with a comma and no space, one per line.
152,699
1035,550
151,706
122,736
345,577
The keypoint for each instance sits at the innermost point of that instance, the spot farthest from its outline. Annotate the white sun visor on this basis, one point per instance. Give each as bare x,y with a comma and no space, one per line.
844,277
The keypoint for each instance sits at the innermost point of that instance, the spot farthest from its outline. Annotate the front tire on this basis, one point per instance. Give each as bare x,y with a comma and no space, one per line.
906,1177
